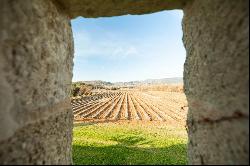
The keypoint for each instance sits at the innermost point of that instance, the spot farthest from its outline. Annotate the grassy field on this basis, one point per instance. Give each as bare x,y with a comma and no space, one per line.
119,143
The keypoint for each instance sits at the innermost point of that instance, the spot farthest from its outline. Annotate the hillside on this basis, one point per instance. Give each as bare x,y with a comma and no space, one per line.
98,83
85,88
174,80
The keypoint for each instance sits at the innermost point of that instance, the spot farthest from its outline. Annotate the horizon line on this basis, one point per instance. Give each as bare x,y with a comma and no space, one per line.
129,81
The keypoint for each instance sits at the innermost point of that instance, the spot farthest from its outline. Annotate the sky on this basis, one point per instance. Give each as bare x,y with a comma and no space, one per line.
128,48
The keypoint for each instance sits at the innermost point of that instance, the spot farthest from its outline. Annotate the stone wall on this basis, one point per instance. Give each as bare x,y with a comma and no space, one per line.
216,78
108,8
36,52
36,58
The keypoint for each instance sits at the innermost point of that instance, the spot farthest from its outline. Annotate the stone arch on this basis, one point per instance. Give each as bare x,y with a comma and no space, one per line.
36,53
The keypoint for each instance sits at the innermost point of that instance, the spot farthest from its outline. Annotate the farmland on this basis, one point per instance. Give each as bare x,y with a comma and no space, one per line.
140,125
169,107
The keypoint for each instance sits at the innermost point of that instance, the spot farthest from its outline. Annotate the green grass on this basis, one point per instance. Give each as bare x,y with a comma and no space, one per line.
118,144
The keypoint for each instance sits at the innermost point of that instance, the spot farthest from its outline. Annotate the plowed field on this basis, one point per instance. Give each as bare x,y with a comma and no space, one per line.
132,105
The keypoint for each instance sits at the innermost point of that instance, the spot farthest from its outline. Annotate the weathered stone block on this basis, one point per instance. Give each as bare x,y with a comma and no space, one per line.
36,59
216,78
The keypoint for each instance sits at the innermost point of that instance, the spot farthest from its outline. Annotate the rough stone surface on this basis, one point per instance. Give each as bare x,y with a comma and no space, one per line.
36,52
105,8
216,78
45,142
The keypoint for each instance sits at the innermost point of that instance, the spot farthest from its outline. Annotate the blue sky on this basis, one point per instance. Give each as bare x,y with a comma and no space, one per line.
130,47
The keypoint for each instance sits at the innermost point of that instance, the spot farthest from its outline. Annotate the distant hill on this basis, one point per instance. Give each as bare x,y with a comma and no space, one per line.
174,80
99,83
96,83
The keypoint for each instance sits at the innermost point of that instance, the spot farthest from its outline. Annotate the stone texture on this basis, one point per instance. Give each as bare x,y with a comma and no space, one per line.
107,8
36,52
216,78
46,142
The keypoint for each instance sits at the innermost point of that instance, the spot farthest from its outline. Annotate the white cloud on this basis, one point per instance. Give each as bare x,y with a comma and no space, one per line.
178,14
107,46
124,51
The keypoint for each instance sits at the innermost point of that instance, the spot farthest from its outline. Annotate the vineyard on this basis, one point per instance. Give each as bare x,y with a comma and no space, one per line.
132,105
